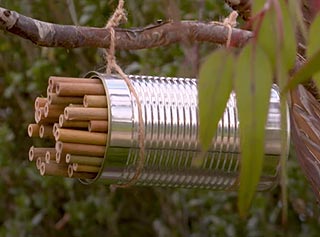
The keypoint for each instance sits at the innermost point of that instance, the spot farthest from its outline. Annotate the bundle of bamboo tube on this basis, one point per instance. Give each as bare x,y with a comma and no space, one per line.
73,117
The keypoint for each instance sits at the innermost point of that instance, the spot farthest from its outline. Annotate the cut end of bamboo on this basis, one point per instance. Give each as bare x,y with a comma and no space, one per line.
58,157
41,131
46,110
59,146
46,131
42,168
38,115
48,157
70,170
61,120
40,102
31,153
33,130
68,157
39,161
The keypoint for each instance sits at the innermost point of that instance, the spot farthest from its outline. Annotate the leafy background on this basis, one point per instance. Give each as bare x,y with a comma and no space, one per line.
31,205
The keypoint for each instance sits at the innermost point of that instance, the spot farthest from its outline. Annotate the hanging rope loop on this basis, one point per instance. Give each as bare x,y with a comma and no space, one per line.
118,16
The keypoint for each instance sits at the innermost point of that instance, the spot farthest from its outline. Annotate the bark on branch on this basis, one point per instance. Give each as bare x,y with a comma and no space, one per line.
69,36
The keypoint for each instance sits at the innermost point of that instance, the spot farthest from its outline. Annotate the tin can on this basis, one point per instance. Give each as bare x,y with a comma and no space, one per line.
173,156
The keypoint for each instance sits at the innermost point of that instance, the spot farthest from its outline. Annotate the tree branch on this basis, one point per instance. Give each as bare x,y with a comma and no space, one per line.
69,36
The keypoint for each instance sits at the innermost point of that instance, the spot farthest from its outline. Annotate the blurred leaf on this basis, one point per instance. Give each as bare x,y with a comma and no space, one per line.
313,44
88,13
257,6
297,17
281,48
73,12
310,68
314,37
265,30
287,42
252,85
215,86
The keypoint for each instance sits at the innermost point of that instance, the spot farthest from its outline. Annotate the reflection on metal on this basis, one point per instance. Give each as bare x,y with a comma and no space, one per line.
172,149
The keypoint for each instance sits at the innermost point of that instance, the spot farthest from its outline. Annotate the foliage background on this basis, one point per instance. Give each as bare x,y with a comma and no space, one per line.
31,205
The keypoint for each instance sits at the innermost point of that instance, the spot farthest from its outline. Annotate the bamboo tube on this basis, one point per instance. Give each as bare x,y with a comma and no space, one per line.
85,168
55,128
70,170
38,114
72,124
39,162
80,149
75,106
48,120
54,169
53,111
53,80
84,160
45,131
77,136
50,90
39,117
80,89
71,113
98,101
35,152
40,102
98,126
60,157
54,99
80,175
50,155
33,130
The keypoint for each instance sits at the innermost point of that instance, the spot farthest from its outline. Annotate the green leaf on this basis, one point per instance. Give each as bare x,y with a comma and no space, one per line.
314,37
257,6
297,17
288,39
305,72
265,30
215,85
313,44
281,48
311,67
252,85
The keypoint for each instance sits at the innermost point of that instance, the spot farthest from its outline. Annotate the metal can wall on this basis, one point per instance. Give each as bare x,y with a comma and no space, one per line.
173,157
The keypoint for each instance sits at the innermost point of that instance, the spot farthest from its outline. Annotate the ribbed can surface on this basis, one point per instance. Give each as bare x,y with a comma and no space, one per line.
172,151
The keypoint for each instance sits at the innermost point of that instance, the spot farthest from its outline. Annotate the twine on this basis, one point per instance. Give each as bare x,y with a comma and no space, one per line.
230,22
119,15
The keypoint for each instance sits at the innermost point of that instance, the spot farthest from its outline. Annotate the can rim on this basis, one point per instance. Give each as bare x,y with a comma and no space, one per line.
97,75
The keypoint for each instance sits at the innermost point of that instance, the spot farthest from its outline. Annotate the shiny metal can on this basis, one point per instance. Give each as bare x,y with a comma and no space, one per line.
173,156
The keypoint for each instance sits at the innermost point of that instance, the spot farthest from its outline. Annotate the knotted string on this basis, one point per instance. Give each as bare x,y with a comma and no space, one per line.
230,22
119,15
